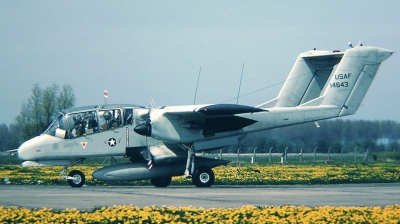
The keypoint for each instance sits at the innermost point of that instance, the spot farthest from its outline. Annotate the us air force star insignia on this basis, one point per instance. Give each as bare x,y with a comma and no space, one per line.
112,142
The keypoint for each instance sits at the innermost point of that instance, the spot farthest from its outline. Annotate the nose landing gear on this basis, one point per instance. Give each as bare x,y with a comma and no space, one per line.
75,178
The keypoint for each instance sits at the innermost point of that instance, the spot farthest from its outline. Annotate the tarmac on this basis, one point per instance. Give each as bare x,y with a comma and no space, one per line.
91,197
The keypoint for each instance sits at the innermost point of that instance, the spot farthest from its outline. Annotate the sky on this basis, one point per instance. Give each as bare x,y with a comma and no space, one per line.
143,50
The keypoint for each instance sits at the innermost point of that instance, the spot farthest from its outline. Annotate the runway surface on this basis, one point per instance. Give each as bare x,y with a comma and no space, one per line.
87,198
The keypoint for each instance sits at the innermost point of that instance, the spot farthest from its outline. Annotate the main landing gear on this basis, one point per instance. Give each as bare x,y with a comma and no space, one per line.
202,176
75,178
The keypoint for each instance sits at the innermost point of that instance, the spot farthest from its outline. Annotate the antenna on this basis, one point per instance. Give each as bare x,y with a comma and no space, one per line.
350,44
195,94
240,84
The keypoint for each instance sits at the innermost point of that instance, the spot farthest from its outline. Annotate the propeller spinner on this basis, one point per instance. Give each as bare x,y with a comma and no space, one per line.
143,129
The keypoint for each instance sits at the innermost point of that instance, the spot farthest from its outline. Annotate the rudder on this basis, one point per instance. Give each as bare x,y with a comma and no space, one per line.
352,78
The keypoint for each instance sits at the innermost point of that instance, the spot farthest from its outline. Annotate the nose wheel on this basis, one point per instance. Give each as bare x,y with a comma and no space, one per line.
76,178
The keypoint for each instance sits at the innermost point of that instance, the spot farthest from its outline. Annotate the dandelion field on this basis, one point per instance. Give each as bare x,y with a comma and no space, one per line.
271,174
245,214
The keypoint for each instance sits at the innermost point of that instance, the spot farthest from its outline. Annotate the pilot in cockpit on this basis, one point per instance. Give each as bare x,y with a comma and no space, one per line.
78,125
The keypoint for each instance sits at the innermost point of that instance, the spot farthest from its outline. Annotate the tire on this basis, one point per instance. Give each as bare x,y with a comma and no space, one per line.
203,177
161,181
79,178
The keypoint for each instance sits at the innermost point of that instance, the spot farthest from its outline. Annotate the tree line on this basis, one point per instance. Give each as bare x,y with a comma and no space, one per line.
36,113
333,135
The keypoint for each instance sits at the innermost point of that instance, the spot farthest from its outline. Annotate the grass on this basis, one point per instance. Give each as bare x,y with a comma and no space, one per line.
267,169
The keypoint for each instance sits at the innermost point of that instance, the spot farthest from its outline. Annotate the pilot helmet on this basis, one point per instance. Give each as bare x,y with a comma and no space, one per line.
88,116
107,115
77,118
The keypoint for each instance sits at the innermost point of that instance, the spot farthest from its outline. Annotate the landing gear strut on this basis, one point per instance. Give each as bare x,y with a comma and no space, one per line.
75,178
190,163
201,176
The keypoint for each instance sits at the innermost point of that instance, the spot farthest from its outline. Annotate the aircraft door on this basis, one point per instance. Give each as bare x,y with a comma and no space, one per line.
130,122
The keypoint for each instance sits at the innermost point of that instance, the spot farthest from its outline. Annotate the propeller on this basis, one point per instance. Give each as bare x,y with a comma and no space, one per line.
149,157
145,130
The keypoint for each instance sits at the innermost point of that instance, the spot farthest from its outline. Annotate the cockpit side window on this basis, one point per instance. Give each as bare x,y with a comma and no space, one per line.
83,123
110,119
128,116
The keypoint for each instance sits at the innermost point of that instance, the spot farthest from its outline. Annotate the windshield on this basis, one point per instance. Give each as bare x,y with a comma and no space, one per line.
58,127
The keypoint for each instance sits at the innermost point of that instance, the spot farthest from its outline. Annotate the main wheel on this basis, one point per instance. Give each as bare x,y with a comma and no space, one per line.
161,181
203,177
77,178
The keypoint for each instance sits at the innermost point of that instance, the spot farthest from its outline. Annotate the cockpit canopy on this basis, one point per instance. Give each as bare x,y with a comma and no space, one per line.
76,122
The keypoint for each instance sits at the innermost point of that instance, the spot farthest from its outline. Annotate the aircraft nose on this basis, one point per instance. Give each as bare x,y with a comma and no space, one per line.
27,151
24,152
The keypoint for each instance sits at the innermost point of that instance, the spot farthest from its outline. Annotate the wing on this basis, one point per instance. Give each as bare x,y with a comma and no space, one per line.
216,118
189,124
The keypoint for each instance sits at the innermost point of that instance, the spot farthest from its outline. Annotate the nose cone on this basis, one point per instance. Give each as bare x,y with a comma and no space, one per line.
31,149
24,152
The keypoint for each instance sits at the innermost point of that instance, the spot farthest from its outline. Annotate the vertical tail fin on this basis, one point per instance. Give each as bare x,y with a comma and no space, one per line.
306,79
349,84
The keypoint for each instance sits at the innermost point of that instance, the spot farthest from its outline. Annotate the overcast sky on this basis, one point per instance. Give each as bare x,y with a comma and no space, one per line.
139,50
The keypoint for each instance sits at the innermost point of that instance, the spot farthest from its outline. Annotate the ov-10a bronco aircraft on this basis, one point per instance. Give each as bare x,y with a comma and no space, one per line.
163,142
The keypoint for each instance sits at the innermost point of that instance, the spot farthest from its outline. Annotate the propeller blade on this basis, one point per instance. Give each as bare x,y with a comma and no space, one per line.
145,130
151,102
149,158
